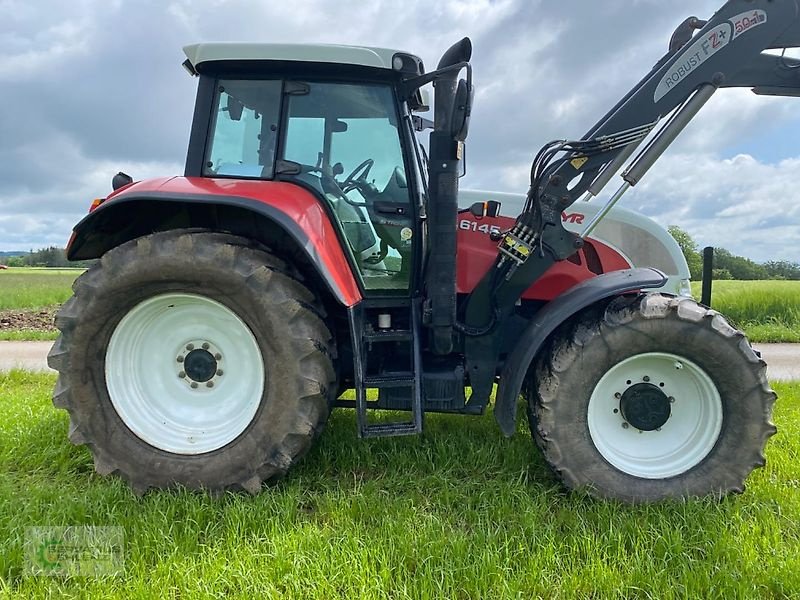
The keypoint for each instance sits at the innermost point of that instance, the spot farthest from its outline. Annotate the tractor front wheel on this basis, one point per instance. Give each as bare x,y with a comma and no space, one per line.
652,397
193,358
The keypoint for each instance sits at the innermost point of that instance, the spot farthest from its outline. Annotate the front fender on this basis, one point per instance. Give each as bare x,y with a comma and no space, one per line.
548,319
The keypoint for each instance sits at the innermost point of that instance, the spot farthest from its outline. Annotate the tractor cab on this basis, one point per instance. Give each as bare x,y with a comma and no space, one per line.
336,123
334,120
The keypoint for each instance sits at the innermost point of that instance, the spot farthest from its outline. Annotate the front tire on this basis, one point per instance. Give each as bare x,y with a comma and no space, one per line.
193,358
652,397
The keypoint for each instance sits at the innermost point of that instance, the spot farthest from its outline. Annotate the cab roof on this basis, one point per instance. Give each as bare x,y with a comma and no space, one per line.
365,56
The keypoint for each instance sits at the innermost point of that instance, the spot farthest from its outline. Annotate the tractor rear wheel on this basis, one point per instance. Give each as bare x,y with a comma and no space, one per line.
194,359
652,397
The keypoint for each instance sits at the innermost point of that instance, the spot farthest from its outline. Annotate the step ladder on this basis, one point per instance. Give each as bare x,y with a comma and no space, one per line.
365,337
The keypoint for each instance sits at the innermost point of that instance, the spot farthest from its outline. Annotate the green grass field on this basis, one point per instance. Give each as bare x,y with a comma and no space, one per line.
460,512
769,311
35,288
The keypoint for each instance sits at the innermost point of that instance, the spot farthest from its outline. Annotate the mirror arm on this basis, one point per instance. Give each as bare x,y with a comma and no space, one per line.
409,86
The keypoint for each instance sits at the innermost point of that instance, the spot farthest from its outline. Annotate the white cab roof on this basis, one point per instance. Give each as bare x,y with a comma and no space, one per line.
320,53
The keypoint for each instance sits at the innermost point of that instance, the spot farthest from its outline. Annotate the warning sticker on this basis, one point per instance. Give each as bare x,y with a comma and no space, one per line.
579,162
689,61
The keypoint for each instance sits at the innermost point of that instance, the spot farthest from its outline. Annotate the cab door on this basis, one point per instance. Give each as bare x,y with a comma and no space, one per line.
344,141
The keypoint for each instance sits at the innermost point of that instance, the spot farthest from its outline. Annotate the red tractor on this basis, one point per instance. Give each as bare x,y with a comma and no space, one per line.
314,246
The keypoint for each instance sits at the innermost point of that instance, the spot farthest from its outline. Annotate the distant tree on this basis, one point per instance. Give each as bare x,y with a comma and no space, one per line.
46,257
15,261
782,269
739,267
690,251
721,274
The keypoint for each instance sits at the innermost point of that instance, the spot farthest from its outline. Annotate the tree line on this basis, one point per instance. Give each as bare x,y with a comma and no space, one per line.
729,266
45,257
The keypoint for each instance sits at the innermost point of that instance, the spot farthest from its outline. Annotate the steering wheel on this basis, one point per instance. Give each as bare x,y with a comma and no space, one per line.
357,176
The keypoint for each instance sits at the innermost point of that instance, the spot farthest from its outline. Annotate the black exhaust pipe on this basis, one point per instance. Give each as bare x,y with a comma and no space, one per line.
444,169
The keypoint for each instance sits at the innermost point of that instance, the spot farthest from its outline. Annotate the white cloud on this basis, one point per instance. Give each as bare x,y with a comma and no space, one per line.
747,206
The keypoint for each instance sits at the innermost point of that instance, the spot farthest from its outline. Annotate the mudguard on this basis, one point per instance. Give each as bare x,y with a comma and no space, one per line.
132,211
548,319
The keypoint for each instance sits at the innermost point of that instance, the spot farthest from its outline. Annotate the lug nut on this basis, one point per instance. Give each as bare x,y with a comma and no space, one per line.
671,399
218,356
645,378
625,425
210,384
206,346
219,372
190,347
182,374
179,359
616,411
617,395
194,385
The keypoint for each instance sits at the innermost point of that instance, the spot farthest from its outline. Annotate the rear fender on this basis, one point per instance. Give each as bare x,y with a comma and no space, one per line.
309,232
548,319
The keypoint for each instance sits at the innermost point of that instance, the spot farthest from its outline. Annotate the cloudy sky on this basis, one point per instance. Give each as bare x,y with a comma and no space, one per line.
95,86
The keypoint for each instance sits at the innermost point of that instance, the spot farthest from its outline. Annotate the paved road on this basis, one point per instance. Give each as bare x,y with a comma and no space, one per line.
783,359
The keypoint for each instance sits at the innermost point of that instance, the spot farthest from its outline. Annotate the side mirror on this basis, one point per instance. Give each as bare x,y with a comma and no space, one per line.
422,101
489,208
462,110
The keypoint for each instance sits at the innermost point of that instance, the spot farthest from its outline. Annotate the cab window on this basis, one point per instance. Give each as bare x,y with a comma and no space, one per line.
245,130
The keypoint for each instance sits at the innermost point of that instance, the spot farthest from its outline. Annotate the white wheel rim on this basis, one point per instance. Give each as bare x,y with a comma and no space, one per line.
148,353
682,442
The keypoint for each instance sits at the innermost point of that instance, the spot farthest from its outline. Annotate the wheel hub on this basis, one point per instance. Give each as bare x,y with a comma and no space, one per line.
199,362
645,407
200,365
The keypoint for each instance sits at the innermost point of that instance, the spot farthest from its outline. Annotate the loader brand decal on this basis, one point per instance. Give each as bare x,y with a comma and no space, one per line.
746,21
698,53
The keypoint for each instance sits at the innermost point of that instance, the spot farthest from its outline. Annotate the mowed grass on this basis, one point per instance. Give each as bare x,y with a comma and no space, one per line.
35,288
460,512
768,311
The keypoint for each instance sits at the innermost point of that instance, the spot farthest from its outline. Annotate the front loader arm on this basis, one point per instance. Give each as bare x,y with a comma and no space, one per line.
725,52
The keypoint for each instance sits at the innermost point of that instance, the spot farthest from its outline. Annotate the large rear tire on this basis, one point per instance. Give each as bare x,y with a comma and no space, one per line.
193,359
651,397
